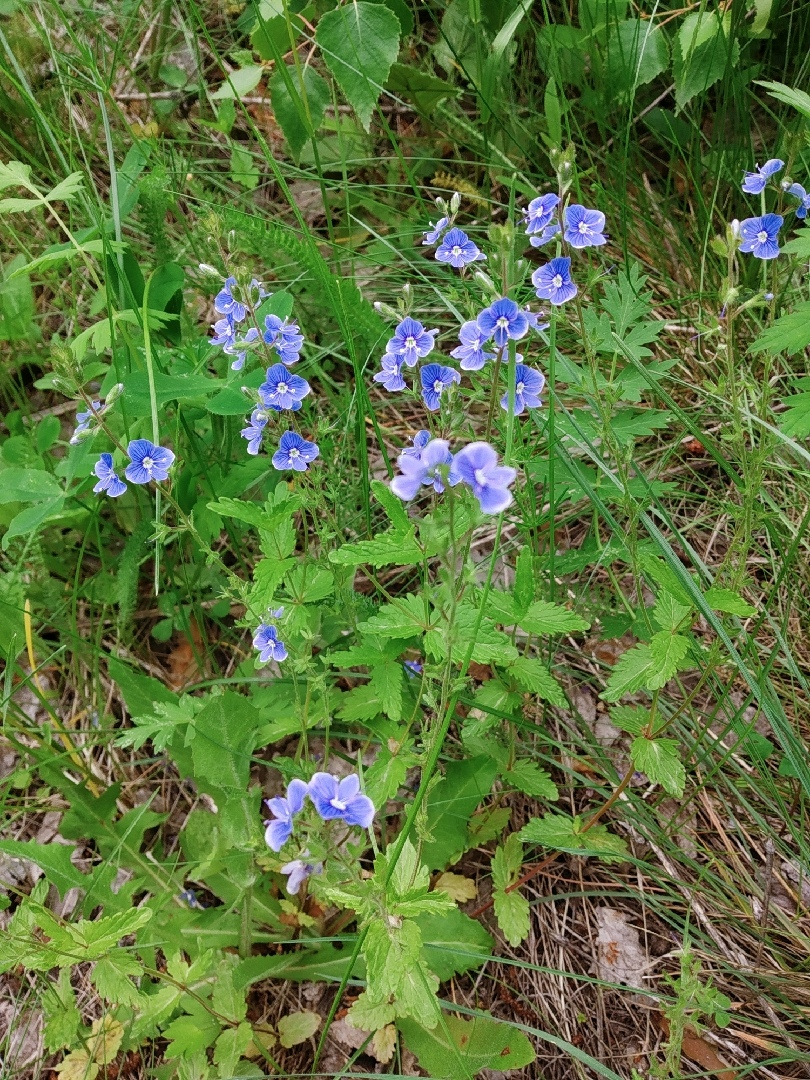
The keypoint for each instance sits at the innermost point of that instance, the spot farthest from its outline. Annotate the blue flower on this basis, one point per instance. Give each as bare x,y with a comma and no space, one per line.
149,462
224,332
412,668
503,320
255,430
547,234
435,379
239,349
285,337
534,318
108,479
584,228
282,390
528,387
553,282
458,250
84,420
299,871
411,341
798,192
435,231
420,441
266,641
477,465
539,213
760,235
429,470
278,832
294,452
341,799
754,182
225,304
391,374
470,352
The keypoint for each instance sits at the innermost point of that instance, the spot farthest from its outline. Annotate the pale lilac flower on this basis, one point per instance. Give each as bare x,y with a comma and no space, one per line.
458,250
435,231
294,452
754,182
760,235
539,213
266,640
477,465
283,390
108,478
279,831
541,239
471,351
299,871
149,462
342,799
798,192
502,320
553,281
255,430
391,374
528,387
411,342
428,470
419,442
584,228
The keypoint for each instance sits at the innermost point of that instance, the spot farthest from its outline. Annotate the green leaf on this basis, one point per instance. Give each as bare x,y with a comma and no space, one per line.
666,651
726,600
392,505
543,617
223,739
790,333
795,420
453,943
562,833
458,1049
388,683
311,963
387,549
111,978
53,859
531,674
788,95
426,91
669,613
704,52
227,999
243,168
297,1027
267,577
28,485
359,43
18,206
404,618
528,777
630,718
66,189
524,581
29,520
229,1048
659,759
637,53
300,113
189,1034
239,83
630,673
450,806
62,1017
512,913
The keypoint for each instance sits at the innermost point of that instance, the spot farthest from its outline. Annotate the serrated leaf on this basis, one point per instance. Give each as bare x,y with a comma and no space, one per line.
523,592
297,1027
562,833
470,634
630,718
788,95
392,505
420,87
459,1049
66,189
225,732
531,674
458,888
106,1036
543,617
53,859
404,618
487,825
659,759
790,333
18,206
512,913
453,943
230,1046
299,113
190,1034
62,1017
726,600
359,43
370,1016
387,549
388,682
451,804
667,651
630,673
795,420
111,978
669,613
528,777
97,937
77,1066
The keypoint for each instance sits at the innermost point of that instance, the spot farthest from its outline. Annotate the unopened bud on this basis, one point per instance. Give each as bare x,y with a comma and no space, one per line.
209,271
386,309
114,393
455,202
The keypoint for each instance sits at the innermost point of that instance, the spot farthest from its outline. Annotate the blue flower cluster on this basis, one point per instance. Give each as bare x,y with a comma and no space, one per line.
760,235
429,463
581,228
87,421
334,800
147,462
233,305
456,249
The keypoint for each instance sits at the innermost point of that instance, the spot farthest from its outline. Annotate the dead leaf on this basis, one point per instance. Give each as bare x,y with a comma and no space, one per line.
106,1036
620,957
77,1066
457,887
182,660
384,1043
297,1027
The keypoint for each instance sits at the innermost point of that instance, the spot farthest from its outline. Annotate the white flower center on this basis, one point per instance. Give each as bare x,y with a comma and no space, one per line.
480,478
456,250
584,228
762,236
520,388
410,342
294,453
556,281
438,386
338,804
148,463
281,388
503,322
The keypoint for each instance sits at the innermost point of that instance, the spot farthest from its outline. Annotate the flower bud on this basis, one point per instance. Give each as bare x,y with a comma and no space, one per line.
209,271
455,202
114,393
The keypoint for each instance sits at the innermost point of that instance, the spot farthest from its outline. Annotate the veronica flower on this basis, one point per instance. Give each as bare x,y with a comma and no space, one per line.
760,235
584,228
477,465
282,390
391,374
412,668
435,379
255,430
470,352
419,441
239,348
285,337
411,341
534,318
335,798
299,871
754,182
224,331
84,420
294,452
547,234
108,479
539,212
149,462
458,250
435,231
428,470
225,304
266,641
798,192
528,387
503,320
279,831
553,282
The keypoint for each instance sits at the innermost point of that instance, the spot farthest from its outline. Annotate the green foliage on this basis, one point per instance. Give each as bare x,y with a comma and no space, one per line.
457,1049
511,907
